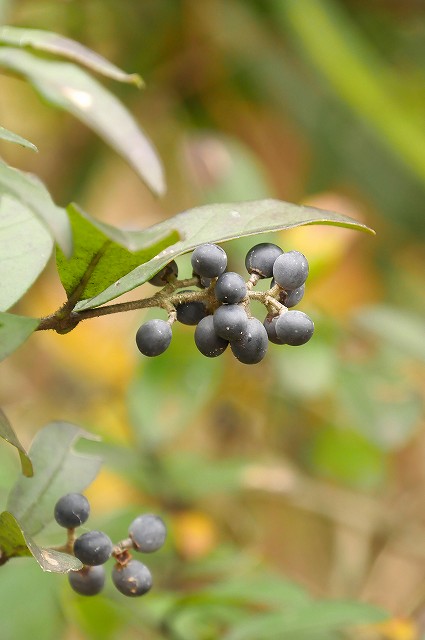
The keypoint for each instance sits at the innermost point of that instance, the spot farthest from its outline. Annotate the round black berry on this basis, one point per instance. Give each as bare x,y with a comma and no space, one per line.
153,337
93,548
191,312
270,327
148,533
290,270
133,579
207,340
72,510
88,581
294,328
230,321
209,260
230,288
251,347
162,277
260,259
292,298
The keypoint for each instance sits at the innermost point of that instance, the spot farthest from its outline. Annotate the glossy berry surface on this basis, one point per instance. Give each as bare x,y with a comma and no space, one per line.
230,321
292,298
72,510
153,337
294,328
133,579
209,260
148,533
270,327
230,288
207,340
191,312
251,347
290,270
89,581
161,278
261,258
93,548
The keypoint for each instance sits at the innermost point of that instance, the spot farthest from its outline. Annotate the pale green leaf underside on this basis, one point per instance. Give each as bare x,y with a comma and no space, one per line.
104,250
31,192
14,330
8,434
14,542
25,248
32,500
59,45
9,136
218,223
73,89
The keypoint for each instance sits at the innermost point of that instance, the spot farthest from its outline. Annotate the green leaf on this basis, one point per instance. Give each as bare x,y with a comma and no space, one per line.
28,602
5,134
15,542
257,589
25,248
56,44
58,469
71,88
8,434
31,192
400,328
14,330
218,223
340,52
100,255
304,622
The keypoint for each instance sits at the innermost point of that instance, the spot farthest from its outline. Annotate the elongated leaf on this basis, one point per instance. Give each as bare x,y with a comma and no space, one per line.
14,542
9,136
25,248
71,88
8,434
221,222
339,51
59,45
398,327
100,254
14,330
31,192
302,623
58,470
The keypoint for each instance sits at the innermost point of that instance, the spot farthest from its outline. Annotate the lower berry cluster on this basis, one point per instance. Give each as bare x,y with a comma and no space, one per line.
220,308
131,577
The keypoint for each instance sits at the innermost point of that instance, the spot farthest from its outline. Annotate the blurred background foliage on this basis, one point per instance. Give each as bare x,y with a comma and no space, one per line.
311,465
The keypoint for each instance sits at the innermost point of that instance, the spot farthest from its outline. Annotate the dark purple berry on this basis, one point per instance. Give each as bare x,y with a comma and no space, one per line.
209,260
290,270
230,288
294,328
148,533
93,548
260,259
153,337
207,340
88,581
72,510
132,579
251,347
230,321
161,278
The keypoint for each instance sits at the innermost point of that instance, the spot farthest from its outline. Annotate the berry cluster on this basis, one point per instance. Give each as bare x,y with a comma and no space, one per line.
221,308
146,533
